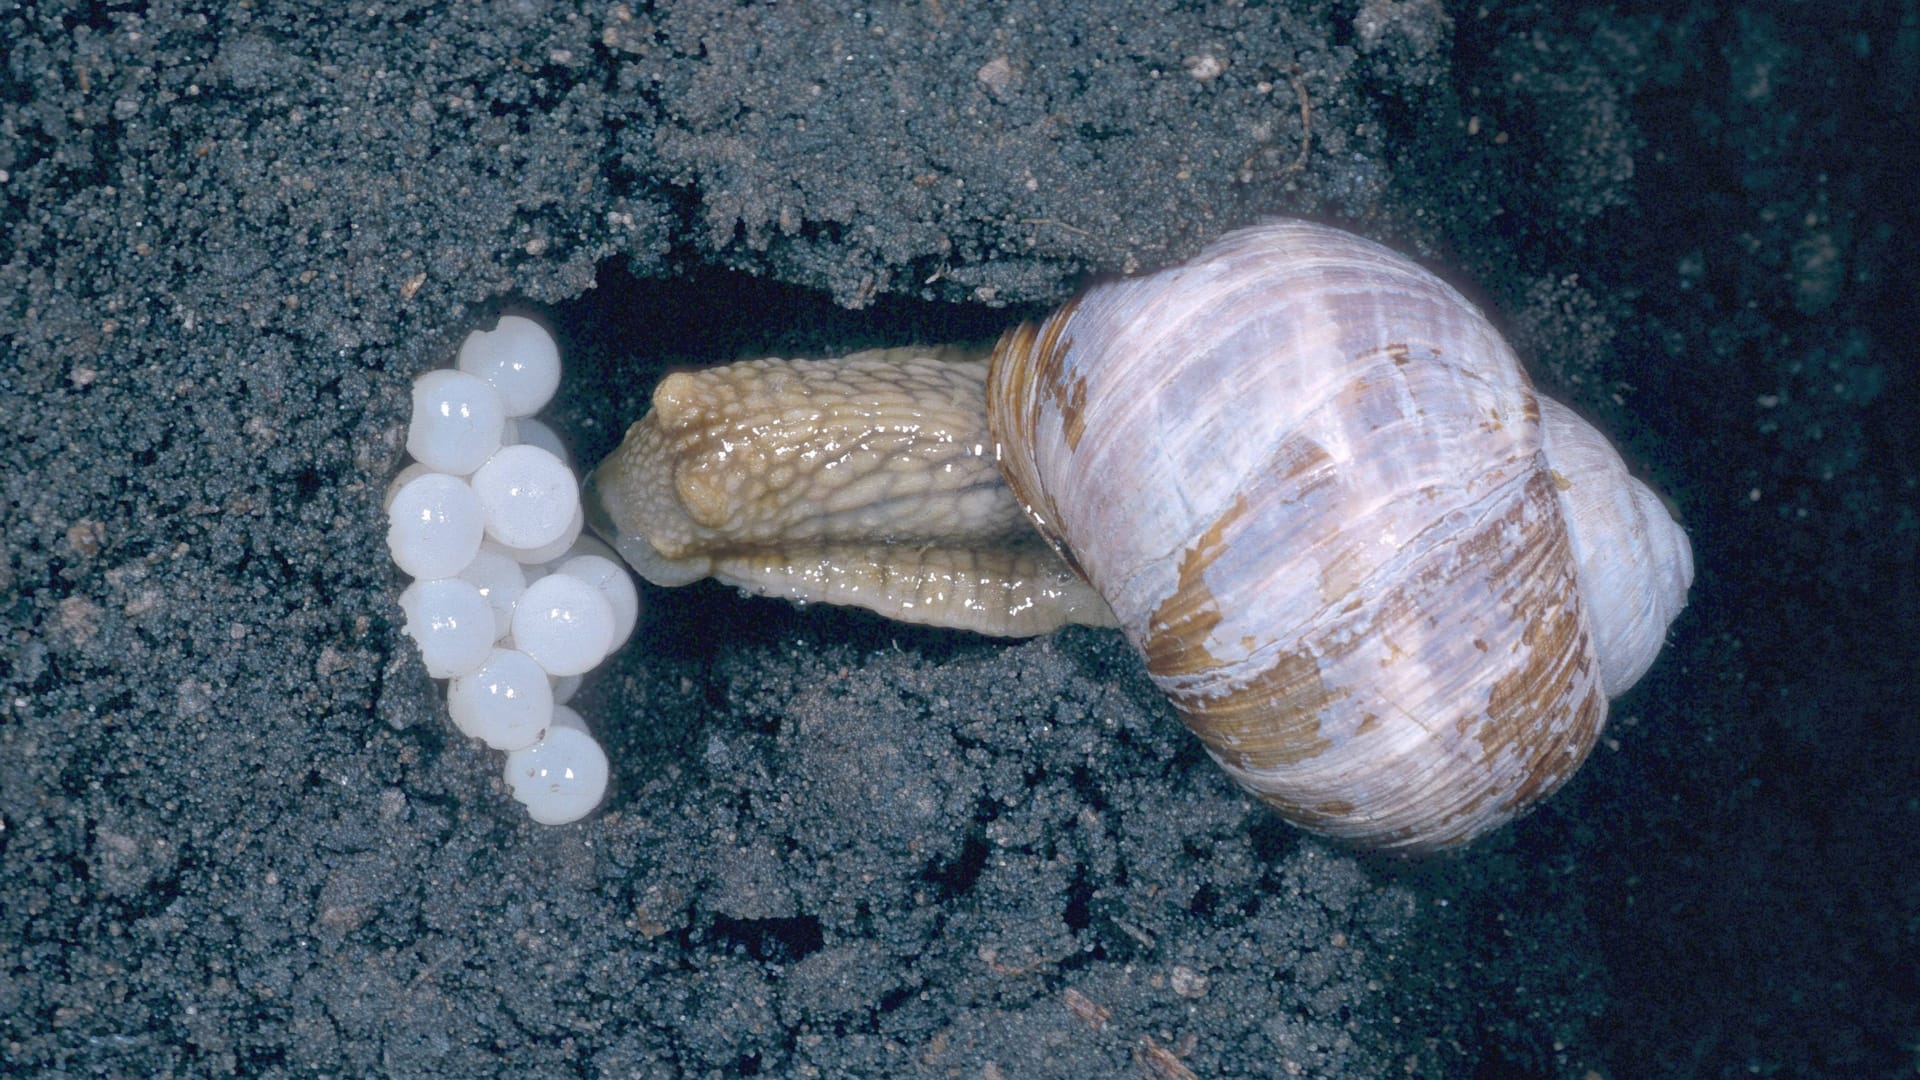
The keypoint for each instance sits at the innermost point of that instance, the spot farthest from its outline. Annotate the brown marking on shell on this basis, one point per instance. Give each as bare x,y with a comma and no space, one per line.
1558,761
1012,355
1475,766
1322,816
1069,396
1011,423
1341,577
1177,631
1530,711
1034,355
1272,720
1399,352
1301,463
1545,712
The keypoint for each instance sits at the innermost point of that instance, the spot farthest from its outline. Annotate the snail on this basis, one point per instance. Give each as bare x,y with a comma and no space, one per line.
1388,585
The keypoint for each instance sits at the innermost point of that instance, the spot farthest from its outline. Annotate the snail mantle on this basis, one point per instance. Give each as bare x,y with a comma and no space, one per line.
1389,585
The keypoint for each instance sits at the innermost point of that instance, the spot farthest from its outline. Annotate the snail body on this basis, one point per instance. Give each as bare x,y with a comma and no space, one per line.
866,480
1389,586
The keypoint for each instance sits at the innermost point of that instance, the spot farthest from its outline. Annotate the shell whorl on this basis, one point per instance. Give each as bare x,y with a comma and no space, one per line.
1328,435
1635,564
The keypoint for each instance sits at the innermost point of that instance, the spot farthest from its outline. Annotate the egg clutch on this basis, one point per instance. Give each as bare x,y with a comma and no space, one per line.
509,603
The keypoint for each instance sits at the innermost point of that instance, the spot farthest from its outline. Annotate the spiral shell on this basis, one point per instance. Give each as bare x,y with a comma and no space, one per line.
1308,477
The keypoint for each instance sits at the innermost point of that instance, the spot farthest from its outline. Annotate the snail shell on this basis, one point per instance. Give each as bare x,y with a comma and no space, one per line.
1311,480
1388,585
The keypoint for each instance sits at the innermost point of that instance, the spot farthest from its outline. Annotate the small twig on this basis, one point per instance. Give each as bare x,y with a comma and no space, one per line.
1161,1063
1056,224
1085,1009
1306,123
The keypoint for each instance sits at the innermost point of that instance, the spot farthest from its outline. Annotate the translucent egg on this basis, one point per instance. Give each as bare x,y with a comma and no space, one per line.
518,358
565,624
528,498
558,547
434,525
498,576
533,431
613,582
506,702
562,777
457,421
589,544
451,623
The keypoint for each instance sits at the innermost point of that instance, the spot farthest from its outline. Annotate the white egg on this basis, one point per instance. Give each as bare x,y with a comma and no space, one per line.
506,702
615,584
527,496
434,525
451,623
518,358
457,421
565,624
562,777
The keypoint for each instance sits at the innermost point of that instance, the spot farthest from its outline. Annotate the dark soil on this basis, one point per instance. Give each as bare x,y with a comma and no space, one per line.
239,837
